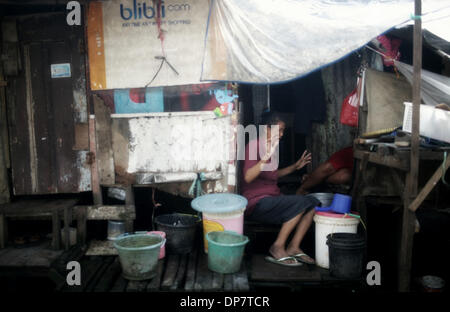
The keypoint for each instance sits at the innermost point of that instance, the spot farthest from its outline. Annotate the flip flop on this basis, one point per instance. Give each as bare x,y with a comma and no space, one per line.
280,261
299,256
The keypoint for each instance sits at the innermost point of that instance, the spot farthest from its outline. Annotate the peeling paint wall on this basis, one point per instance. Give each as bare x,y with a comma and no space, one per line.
168,149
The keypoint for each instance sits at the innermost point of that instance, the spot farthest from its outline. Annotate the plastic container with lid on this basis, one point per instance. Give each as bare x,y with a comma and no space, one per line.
220,212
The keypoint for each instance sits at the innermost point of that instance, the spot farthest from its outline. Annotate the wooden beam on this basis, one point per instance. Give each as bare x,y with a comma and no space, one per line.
104,152
408,222
109,212
429,186
95,182
392,161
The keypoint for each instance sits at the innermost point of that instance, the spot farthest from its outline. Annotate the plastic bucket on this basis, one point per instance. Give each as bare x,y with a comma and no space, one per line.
327,223
138,254
325,198
180,231
226,250
162,251
347,252
432,283
227,221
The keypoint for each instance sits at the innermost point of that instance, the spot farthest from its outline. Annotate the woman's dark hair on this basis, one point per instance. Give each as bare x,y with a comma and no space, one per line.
271,118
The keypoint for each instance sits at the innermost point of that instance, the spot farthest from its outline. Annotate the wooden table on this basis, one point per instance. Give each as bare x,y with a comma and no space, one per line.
399,159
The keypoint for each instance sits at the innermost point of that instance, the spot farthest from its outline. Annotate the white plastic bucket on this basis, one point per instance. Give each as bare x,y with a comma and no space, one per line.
327,223
227,221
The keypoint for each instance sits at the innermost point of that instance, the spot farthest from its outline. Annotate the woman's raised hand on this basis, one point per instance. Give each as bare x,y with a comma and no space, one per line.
303,161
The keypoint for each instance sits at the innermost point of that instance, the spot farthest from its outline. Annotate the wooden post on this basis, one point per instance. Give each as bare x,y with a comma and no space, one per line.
129,200
81,224
96,189
2,230
407,235
56,236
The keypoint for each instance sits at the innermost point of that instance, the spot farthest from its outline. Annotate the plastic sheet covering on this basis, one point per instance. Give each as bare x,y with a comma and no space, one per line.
266,41
435,88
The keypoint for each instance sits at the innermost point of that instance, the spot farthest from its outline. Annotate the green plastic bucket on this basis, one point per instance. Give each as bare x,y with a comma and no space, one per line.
138,254
225,251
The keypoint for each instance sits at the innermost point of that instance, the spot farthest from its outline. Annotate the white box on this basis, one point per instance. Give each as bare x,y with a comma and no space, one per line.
434,123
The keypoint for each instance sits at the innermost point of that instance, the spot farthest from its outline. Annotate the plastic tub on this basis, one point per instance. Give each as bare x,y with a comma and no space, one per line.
180,231
221,212
115,228
432,283
226,250
325,198
347,251
138,254
162,252
327,223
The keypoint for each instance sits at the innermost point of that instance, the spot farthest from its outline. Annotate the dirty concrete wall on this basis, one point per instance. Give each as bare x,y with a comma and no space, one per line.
339,79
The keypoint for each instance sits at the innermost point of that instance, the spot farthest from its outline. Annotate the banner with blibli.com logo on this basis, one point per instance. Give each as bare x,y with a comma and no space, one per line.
129,38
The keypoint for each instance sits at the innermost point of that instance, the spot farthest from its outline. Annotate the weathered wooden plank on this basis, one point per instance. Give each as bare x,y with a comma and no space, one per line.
228,282
180,273
137,286
36,256
105,157
408,224
217,282
81,136
106,262
56,234
110,212
392,161
156,281
240,279
95,180
203,279
129,201
101,248
429,186
37,208
106,282
2,231
67,221
173,263
191,269
120,284
81,216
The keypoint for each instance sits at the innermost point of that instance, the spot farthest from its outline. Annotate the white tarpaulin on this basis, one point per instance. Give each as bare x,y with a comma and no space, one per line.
265,41
435,89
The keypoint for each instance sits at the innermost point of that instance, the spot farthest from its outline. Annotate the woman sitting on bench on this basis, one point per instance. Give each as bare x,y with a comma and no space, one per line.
266,204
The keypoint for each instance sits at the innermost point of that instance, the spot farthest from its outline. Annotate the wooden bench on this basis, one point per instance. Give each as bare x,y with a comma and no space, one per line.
55,209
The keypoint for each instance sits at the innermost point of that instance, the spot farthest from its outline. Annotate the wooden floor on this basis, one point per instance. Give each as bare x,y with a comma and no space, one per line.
175,273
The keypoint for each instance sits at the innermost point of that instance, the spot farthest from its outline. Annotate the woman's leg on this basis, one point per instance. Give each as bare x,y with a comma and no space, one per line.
277,250
302,227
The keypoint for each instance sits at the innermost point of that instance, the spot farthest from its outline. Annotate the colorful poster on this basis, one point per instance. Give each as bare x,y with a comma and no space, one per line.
146,43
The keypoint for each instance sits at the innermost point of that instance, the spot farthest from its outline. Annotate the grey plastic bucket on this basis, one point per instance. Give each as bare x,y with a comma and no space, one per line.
138,254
